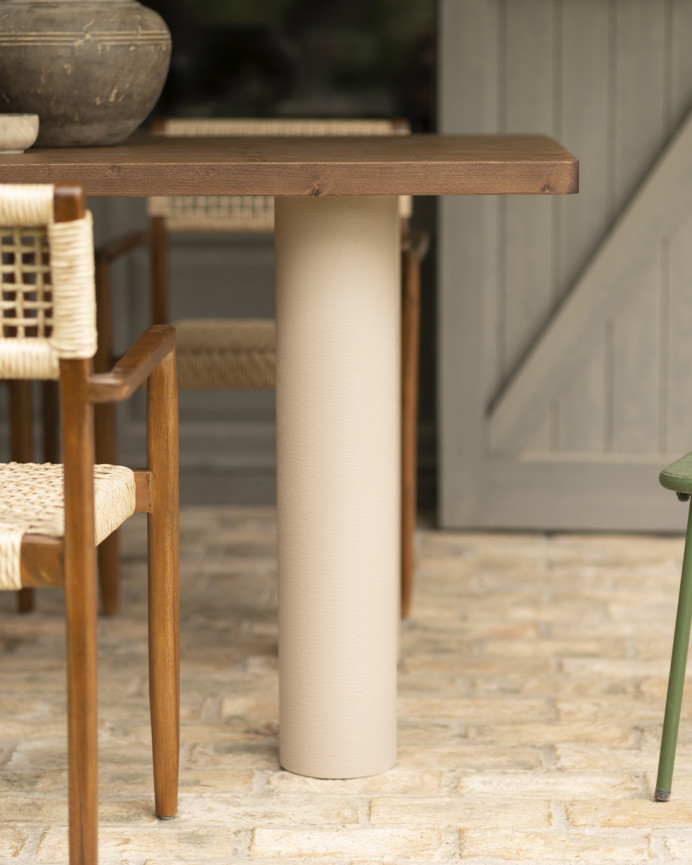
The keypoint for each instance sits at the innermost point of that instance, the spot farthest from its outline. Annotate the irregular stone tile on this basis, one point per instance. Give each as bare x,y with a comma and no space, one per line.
600,732
233,756
221,780
510,845
473,710
429,731
458,811
550,785
470,756
34,809
679,848
630,710
13,842
474,665
393,843
559,686
637,813
554,648
165,838
582,758
270,810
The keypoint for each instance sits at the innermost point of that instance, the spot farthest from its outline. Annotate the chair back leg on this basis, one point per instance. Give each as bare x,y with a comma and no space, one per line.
410,327
164,595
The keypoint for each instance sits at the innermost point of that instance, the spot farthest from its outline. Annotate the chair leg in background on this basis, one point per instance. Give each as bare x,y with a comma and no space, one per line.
410,332
50,393
106,439
676,679
164,593
109,549
22,451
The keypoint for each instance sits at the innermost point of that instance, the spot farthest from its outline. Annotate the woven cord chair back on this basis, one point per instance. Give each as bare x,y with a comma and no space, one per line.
47,279
48,315
251,213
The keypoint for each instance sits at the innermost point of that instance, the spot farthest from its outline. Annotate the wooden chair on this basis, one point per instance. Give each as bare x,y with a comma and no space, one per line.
240,354
53,516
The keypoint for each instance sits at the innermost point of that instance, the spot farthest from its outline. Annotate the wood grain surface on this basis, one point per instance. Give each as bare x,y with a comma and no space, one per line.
417,165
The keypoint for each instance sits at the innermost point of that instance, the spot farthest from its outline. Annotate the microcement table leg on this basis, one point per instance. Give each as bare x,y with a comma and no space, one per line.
338,420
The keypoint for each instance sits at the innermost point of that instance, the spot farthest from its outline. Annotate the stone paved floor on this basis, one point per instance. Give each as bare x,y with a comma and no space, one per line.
531,695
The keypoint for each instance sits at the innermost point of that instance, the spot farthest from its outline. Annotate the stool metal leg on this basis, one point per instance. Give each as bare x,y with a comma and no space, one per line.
676,680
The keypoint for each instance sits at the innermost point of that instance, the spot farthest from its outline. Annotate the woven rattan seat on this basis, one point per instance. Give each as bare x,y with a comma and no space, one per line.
32,500
52,517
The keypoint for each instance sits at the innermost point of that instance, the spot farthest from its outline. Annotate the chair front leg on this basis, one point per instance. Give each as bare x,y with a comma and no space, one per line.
80,611
80,602
164,594
676,679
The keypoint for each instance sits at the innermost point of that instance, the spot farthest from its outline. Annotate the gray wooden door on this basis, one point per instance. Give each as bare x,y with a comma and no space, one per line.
564,357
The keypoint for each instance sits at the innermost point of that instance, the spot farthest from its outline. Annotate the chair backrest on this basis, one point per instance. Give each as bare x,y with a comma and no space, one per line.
46,278
249,213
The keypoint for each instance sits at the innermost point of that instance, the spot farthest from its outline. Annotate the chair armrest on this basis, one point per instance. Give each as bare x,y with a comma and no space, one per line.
109,251
134,366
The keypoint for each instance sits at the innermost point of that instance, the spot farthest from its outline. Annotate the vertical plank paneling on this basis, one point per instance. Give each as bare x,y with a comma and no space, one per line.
529,287
584,130
468,261
681,60
529,291
640,101
679,356
678,403
635,395
640,127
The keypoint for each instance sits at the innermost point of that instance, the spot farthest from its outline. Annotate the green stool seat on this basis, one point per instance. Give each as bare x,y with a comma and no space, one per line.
678,475
678,478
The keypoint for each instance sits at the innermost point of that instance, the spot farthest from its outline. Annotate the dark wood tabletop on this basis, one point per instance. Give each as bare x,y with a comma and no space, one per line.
148,164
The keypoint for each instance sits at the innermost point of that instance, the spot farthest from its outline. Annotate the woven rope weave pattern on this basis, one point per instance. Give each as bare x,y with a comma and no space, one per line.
26,204
47,301
32,500
226,354
214,127
74,297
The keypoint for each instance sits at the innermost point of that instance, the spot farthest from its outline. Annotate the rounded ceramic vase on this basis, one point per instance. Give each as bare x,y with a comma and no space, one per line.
91,69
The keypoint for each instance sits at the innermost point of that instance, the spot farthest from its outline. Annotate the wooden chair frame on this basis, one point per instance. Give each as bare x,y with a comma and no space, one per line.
70,562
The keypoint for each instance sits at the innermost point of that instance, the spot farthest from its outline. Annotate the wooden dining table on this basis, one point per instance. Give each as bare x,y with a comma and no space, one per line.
338,385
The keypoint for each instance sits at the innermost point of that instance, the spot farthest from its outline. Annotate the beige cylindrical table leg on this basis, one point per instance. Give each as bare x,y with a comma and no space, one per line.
338,395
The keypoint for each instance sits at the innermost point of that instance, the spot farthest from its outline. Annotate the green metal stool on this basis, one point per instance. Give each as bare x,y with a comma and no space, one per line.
678,478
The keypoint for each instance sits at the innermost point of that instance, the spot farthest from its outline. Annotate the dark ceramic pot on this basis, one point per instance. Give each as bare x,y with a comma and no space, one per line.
91,69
